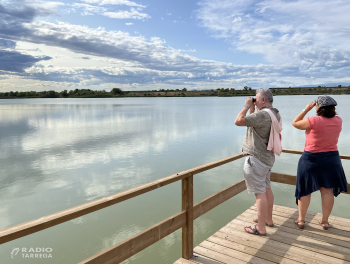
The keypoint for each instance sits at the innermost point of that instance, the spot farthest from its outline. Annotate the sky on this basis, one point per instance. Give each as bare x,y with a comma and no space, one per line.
153,44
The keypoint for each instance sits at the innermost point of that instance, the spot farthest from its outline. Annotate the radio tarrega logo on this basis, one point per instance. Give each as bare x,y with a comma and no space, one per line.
32,252
14,252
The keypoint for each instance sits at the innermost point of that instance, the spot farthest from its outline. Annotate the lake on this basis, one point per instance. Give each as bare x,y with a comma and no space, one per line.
60,153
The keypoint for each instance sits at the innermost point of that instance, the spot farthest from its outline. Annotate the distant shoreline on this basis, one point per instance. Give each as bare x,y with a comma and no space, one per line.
221,92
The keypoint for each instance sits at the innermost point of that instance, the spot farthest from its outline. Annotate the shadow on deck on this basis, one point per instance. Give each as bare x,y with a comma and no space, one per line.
284,243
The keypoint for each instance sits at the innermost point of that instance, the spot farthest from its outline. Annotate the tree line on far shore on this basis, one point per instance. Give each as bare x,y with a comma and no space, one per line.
117,92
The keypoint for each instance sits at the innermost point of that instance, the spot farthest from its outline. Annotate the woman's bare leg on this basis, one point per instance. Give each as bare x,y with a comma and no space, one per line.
327,198
303,204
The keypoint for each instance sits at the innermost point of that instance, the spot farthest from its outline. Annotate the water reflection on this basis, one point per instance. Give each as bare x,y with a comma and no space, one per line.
60,153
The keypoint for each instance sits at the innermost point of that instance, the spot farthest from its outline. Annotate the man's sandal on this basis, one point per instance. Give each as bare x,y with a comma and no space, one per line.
256,221
323,223
255,231
297,222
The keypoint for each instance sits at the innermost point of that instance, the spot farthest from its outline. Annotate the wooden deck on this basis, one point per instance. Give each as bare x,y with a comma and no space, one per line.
284,243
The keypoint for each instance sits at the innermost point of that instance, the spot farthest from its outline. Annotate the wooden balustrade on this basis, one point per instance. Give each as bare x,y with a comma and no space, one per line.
290,179
149,236
292,151
140,241
187,206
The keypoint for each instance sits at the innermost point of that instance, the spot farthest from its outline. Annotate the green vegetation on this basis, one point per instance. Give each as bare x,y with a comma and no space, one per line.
117,92
83,93
310,90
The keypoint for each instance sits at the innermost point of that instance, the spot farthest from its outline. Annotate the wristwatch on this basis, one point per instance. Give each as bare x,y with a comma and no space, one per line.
247,106
304,111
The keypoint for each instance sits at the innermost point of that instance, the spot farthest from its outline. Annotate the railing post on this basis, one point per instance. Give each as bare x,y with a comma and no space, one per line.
187,205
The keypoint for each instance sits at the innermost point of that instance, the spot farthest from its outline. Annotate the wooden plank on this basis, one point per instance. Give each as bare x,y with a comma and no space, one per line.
203,260
290,179
253,251
198,259
42,223
187,229
283,178
183,261
294,213
199,209
335,222
220,258
268,244
235,253
326,253
138,242
214,200
292,151
214,164
314,233
284,243
271,246
332,218
310,227
304,241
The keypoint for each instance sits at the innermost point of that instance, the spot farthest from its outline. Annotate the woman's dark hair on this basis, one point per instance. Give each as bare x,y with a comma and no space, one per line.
327,111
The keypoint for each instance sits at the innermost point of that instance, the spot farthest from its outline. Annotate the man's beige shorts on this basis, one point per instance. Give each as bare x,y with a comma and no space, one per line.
256,175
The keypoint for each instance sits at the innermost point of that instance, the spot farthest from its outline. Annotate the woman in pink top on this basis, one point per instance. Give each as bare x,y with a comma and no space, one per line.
319,167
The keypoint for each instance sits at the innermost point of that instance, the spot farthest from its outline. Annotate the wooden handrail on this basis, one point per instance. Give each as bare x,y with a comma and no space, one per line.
42,223
125,249
292,151
187,206
138,242
290,179
130,246
214,200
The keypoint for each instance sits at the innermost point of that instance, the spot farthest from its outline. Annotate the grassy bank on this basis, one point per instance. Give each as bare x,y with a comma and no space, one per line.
222,92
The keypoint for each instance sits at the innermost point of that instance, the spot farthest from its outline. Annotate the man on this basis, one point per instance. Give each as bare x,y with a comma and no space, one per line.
259,160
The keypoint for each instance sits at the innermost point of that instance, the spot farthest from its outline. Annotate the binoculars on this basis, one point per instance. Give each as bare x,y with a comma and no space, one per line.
254,100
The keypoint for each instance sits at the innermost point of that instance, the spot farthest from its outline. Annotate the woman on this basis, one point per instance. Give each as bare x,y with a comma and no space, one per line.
319,167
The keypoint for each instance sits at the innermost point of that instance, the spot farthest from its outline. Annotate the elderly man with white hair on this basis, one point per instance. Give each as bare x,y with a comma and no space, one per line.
259,160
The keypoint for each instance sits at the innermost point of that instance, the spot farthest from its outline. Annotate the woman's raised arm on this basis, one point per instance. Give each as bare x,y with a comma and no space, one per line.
299,122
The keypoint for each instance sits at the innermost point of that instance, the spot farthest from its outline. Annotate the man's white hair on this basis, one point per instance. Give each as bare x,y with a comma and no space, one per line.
263,92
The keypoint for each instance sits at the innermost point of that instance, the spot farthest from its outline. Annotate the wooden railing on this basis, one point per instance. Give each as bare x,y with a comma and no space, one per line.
149,236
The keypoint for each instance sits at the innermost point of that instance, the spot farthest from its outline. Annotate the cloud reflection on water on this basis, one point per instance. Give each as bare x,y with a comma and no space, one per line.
57,154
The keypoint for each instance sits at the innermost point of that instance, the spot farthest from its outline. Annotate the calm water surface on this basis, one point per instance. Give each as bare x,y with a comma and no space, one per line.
59,153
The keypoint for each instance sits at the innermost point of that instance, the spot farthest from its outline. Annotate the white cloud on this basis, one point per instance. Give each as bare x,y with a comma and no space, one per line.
120,2
298,53
86,13
304,32
129,24
237,19
90,9
133,13
113,2
44,4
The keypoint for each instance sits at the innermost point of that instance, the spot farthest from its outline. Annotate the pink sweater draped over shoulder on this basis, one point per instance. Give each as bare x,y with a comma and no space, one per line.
275,140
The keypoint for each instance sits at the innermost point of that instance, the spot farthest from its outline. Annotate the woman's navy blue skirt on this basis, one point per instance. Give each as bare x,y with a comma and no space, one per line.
321,169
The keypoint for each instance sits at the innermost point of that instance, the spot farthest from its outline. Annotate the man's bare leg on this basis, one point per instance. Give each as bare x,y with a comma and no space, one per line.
262,206
270,200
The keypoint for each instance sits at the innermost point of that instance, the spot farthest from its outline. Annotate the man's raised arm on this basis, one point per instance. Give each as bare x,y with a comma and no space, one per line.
249,105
